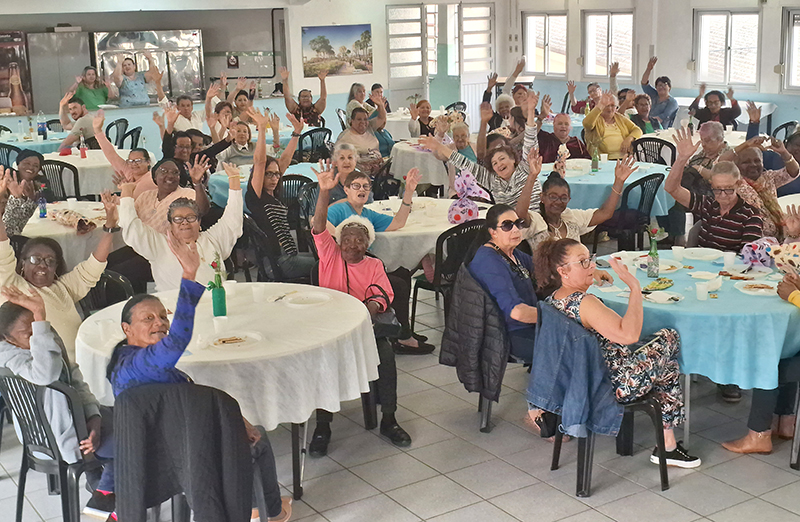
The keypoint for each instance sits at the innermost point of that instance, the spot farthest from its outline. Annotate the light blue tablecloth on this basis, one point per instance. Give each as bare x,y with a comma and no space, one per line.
591,190
51,144
218,183
577,125
285,137
735,339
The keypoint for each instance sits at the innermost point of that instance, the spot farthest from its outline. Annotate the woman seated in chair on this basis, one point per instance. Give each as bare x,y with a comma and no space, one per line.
345,158
554,220
25,186
305,109
565,271
135,169
152,348
362,137
613,132
241,150
183,216
30,348
41,265
504,177
267,210
344,266
421,123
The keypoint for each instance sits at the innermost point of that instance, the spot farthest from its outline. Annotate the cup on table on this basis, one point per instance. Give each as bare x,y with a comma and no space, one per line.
633,265
603,158
230,287
729,258
72,203
220,324
259,292
702,290
39,137
677,252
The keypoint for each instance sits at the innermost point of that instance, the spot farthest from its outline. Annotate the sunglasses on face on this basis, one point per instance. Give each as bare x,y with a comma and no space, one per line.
49,262
179,220
726,191
359,186
585,263
507,225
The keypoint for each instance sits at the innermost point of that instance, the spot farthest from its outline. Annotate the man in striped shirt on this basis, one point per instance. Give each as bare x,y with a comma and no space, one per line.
727,222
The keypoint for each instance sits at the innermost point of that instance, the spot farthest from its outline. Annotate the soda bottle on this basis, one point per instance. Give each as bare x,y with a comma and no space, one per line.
41,125
595,160
42,206
83,147
17,94
652,259
30,127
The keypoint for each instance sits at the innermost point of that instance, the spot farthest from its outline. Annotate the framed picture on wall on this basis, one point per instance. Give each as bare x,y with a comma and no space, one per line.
337,49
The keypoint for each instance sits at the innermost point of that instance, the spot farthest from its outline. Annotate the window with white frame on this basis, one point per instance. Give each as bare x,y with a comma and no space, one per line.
406,33
545,37
607,38
726,47
477,32
791,49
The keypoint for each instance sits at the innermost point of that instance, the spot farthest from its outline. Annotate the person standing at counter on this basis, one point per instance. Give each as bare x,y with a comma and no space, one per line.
91,90
133,84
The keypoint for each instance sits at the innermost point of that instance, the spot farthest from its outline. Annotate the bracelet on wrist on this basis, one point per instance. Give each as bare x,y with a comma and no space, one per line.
295,134
111,230
406,204
615,191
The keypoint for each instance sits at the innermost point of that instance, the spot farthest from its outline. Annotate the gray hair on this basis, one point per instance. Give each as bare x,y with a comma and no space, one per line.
459,126
182,203
713,129
353,89
344,146
727,168
503,98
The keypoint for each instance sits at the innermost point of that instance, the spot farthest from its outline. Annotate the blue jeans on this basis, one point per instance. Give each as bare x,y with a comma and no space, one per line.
105,453
296,266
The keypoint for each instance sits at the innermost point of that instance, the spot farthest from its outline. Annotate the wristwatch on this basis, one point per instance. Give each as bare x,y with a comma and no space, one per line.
111,230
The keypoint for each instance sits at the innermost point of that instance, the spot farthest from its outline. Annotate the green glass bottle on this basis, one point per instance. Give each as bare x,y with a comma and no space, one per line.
218,303
652,259
595,160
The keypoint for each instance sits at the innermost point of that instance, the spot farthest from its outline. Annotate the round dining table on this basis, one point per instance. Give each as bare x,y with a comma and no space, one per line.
591,189
76,247
94,172
407,155
406,247
397,123
732,138
51,144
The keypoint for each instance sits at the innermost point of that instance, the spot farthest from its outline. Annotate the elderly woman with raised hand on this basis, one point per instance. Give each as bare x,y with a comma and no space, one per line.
152,348
759,187
183,217
550,142
136,168
565,271
421,123
41,264
305,109
614,132
133,84
344,266
647,123
91,90
665,107
361,136
357,97
715,109
727,221
461,141
505,177
241,150
579,107
502,104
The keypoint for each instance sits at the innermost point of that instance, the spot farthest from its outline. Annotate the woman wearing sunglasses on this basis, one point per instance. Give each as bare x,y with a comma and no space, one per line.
565,271
41,264
505,273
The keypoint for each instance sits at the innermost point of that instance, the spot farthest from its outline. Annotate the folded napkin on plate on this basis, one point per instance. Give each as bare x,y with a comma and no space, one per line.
612,288
659,297
703,275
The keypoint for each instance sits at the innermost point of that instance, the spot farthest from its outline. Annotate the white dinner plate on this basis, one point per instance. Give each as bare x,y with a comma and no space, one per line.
236,341
756,272
668,266
663,297
107,106
740,286
702,254
306,299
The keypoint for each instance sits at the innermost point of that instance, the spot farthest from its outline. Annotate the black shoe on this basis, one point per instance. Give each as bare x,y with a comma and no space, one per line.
100,505
730,392
419,337
678,457
319,443
396,434
403,349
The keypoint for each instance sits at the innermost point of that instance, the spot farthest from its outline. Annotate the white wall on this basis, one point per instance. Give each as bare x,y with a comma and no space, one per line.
101,6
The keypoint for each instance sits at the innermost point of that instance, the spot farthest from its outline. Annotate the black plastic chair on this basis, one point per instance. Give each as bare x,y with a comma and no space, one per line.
54,125
647,404
735,125
3,129
787,129
120,127
342,118
459,106
54,171
264,248
134,135
322,122
565,103
110,289
288,193
307,203
385,187
8,154
313,146
451,249
651,150
40,450
628,223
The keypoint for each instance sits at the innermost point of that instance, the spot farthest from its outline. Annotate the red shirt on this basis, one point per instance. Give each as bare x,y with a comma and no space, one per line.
549,144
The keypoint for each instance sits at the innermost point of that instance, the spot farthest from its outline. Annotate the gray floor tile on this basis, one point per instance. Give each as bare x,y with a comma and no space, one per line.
361,448
432,320
606,486
423,432
504,439
430,402
703,494
646,506
751,475
9,506
337,489
538,503
480,511
315,467
408,384
438,375
433,497
787,497
450,455
754,509
492,478
587,516
409,363
379,507
639,469
394,472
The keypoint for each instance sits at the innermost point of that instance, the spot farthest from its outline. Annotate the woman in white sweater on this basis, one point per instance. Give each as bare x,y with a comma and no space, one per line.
184,223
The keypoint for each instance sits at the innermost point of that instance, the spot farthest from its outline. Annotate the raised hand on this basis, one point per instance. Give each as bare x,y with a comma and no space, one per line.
199,168
65,99
791,221
652,62
487,113
547,106
754,112
171,115
223,79
231,130
625,276
520,66
624,169
322,75
32,302
630,95
431,143
213,90
155,74
607,99
533,101
730,93
187,255
260,119
412,180
212,120
110,204
777,146
274,122
284,74
97,121
231,170
412,108
297,124
376,98
684,143
492,81
225,119
571,87
325,175
702,89
614,71
158,119
241,83
755,141
441,126
534,163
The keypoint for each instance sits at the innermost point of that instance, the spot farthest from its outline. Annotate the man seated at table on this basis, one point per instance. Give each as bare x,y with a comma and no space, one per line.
82,126
188,118
549,142
726,221
344,266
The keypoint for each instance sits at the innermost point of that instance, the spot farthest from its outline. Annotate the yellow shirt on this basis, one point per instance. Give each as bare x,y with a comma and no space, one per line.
794,298
612,141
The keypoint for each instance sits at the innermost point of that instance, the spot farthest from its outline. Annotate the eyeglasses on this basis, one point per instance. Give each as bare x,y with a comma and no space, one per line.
135,161
359,186
585,263
269,174
553,198
187,147
507,225
719,192
49,262
179,220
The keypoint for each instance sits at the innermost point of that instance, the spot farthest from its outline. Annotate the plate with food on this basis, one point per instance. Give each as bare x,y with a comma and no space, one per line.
307,299
702,254
746,273
667,266
662,297
662,283
763,288
234,340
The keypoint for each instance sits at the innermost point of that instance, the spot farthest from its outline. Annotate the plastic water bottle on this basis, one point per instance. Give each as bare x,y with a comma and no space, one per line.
20,130
42,207
83,147
41,125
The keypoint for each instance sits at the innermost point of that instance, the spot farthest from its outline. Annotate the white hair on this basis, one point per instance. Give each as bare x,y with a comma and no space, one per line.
344,146
356,220
503,98
458,126
726,168
713,129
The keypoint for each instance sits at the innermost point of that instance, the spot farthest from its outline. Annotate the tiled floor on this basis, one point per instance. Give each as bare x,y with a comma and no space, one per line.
454,473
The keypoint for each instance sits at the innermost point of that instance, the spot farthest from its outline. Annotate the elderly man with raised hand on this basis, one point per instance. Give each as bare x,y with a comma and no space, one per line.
549,142
665,107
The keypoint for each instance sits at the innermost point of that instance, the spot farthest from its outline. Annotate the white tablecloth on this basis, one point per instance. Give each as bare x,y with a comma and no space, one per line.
94,172
397,123
406,247
790,199
733,138
306,358
405,157
76,248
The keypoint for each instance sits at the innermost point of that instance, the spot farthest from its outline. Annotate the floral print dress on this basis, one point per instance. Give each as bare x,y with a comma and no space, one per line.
635,370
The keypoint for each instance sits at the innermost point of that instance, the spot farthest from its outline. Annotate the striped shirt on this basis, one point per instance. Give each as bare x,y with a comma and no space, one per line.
730,232
271,216
507,192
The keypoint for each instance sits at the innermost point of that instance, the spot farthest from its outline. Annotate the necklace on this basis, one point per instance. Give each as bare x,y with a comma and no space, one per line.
557,229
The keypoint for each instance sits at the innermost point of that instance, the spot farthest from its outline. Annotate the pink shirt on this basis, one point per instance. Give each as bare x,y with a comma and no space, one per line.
153,212
333,271
144,184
